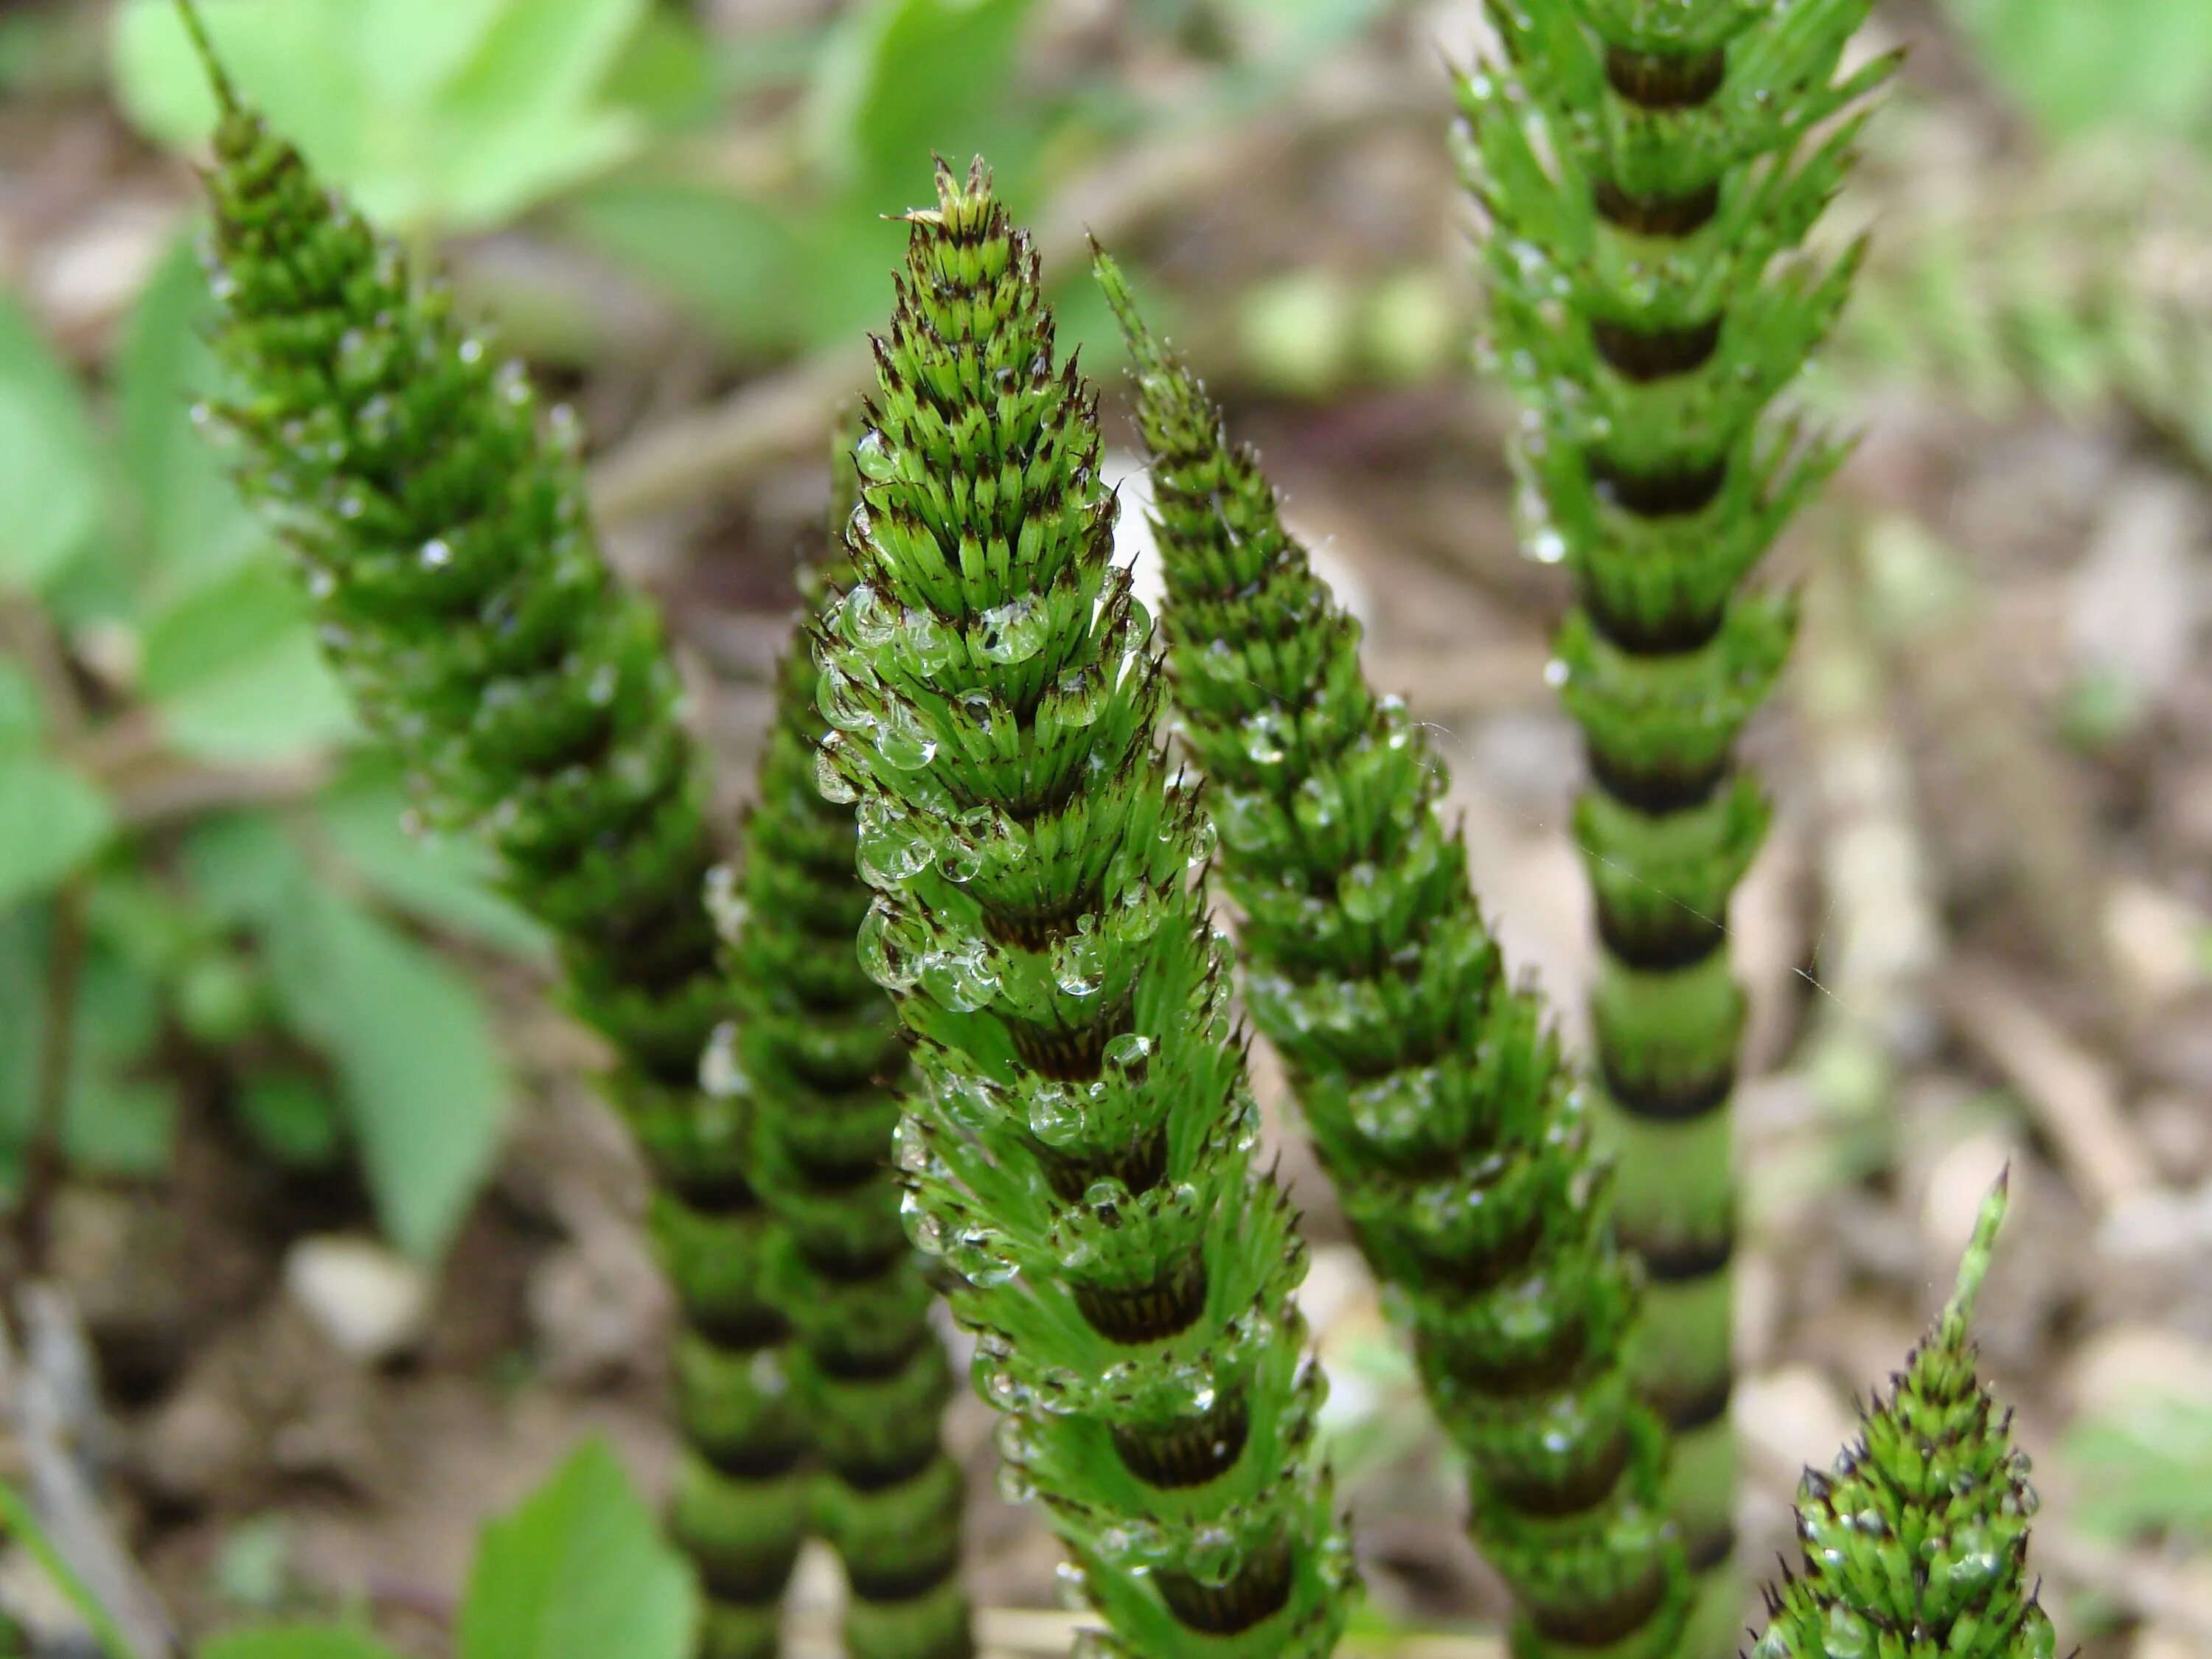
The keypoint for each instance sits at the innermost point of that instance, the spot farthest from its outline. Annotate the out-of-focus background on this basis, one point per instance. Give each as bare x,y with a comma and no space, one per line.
357,1252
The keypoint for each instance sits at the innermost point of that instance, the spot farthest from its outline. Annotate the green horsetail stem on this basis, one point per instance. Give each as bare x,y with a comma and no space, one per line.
1916,1542
441,527
1437,1099
1648,172
816,1048
1079,1144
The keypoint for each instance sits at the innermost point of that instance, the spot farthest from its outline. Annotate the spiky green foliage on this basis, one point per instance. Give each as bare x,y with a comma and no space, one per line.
818,1054
1437,1100
440,526
1915,1543
1648,170
1081,1145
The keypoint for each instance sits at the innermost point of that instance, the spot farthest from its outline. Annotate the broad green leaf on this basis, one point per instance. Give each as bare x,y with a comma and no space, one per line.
906,78
296,1642
234,672
2144,65
445,880
579,1572
51,821
422,1079
433,118
21,715
735,263
49,459
193,527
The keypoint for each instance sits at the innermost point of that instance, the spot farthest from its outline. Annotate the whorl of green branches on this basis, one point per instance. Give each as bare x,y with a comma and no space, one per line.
1437,1100
1648,170
440,526
815,1048
1915,1543
1079,1144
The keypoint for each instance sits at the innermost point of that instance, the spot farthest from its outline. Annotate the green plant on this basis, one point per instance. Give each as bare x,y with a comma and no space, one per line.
440,527
1079,1139
1438,1102
1647,173
194,859
818,1054
1916,1542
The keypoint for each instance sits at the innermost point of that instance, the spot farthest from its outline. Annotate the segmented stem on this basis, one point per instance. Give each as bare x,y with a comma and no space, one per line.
1647,169
442,528
1435,1095
815,1048
1916,1542
1079,1149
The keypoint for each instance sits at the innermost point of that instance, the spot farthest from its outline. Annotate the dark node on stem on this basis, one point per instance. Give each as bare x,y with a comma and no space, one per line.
1258,1592
1190,1451
1140,1165
764,1460
1672,1100
1479,1367
1068,1053
908,1580
862,1476
1658,215
1695,1408
850,1363
757,1327
1665,79
1583,1487
1473,1272
1671,939
1590,1623
851,1266
1709,1549
1672,494
758,1582
1645,355
1668,634
723,1195
1682,1262
1148,1313
1658,791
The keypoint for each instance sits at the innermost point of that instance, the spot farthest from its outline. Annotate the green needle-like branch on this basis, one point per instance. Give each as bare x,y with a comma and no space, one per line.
1079,1146
1434,1094
816,1052
1648,171
1915,1544
439,523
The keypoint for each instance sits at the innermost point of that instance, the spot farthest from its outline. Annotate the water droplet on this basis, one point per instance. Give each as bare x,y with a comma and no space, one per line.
435,554
719,1074
1082,697
893,846
1548,546
899,738
840,700
1078,962
963,979
1015,631
874,457
1556,673
1055,1114
886,951
726,903
869,620
1360,891
1129,1058
831,782
1265,735
1071,1587
471,351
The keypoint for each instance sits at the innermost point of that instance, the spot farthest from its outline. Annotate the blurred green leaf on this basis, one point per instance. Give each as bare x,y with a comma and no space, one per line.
2080,64
293,1117
51,821
22,716
734,264
905,78
423,1082
444,114
666,73
49,459
296,1642
579,1572
233,670
2146,1468
193,526
446,881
